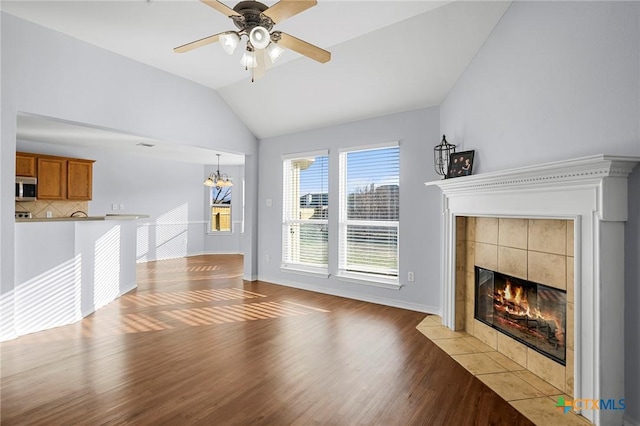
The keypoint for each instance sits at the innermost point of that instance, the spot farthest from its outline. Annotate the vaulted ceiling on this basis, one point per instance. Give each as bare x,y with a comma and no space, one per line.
387,56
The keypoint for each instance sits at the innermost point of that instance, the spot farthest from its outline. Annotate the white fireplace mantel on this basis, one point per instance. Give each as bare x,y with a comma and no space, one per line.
592,191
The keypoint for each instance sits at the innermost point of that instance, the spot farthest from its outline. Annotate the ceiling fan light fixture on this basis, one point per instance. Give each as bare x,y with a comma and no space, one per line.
256,21
229,41
274,51
248,60
259,37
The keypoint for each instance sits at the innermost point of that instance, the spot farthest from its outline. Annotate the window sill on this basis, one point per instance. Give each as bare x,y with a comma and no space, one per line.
306,270
371,280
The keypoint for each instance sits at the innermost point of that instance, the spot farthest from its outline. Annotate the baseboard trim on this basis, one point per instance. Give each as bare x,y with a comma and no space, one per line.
212,252
127,289
394,303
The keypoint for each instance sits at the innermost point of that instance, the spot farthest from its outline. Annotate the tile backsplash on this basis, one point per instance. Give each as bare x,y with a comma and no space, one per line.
58,208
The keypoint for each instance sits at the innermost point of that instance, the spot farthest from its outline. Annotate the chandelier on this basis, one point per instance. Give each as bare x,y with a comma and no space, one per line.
218,180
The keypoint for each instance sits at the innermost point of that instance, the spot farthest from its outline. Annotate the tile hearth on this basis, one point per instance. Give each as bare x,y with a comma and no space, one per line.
530,395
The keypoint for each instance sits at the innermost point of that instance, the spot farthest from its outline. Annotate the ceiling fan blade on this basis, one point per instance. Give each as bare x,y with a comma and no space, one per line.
220,7
287,8
303,48
198,43
261,65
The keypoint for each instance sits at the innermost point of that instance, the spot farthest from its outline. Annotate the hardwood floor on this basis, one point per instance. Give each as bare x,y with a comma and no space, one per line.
194,344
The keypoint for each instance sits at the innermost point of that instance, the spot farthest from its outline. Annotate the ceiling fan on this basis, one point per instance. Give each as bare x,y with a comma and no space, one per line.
255,21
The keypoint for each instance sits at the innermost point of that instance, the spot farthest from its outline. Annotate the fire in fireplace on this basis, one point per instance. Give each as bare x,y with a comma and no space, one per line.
531,313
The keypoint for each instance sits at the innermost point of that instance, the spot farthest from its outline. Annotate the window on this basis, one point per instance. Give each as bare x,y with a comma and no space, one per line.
305,212
220,209
369,214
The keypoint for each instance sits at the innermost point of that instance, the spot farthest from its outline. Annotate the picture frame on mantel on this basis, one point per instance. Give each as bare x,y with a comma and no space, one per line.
460,164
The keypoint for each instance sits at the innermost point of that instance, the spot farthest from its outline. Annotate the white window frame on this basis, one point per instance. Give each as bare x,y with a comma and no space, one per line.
288,264
367,278
210,229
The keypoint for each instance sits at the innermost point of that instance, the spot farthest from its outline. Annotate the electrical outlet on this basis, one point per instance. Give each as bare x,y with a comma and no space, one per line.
121,206
267,258
411,277
114,206
269,202
49,215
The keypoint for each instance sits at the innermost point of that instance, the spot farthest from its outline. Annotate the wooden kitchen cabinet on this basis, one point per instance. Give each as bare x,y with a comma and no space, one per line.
79,179
52,178
59,178
25,165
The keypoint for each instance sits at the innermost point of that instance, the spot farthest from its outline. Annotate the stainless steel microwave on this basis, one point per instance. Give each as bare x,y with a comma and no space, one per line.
26,188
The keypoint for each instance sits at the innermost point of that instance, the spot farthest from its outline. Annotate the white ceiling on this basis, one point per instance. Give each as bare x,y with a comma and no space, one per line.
387,56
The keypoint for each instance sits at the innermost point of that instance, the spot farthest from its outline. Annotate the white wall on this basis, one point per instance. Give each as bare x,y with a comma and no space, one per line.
420,212
51,74
555,80
226,242
249,240
67,270
560,80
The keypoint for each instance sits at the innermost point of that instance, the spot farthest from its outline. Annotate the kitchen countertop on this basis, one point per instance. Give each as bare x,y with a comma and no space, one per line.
84,219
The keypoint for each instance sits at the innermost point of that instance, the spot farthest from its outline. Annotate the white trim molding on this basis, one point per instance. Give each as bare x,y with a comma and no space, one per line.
593,192
385,301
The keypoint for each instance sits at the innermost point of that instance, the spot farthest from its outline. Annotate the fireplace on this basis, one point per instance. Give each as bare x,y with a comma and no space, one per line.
532,313
592,193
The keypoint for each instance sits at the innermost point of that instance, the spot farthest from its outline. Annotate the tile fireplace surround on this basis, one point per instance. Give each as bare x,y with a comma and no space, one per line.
591,194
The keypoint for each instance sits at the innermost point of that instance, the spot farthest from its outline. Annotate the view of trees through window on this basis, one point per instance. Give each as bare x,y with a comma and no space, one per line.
221,209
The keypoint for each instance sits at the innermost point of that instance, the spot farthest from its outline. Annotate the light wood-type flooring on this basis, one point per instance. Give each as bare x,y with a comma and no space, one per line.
194,344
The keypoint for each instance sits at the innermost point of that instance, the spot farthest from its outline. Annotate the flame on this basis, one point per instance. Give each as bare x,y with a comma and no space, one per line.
507,291
512,299
519,305
518,298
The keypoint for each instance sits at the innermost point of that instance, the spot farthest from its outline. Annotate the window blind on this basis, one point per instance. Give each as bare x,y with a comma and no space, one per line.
305,211
369,211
